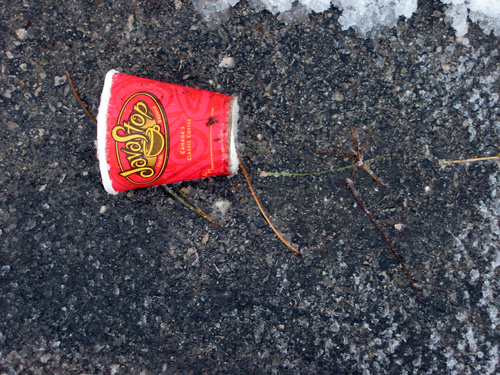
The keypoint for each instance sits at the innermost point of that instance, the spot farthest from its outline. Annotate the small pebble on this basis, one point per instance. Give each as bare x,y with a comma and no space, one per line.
60,80
22,33
227,62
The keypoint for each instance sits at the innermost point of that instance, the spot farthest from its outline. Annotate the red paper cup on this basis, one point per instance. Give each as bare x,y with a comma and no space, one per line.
153,133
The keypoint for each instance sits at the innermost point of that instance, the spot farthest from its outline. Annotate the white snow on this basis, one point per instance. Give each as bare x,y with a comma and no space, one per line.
486,276
368,16
365,16
222,205
486,13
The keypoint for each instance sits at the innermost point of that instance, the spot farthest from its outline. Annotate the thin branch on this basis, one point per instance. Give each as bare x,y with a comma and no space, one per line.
350,185
78,98
262,209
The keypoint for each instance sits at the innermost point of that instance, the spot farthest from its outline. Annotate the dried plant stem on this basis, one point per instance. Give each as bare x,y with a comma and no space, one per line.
262,210
258,149
182,198
362,164
358,155
265,174
78,98
469,160
350,185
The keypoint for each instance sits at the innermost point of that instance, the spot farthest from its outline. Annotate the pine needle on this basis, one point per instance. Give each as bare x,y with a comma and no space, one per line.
262,210
469,160
78,98
183,199
297,174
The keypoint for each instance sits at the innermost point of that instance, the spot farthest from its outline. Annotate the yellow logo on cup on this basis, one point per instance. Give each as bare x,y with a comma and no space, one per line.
141,138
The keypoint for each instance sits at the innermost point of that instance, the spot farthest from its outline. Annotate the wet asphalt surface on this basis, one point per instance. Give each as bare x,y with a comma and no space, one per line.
137,284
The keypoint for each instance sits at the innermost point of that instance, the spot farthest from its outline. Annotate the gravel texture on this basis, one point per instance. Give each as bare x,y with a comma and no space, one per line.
137,284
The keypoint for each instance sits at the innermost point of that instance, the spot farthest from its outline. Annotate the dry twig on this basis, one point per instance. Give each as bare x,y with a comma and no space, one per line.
358,155
350,185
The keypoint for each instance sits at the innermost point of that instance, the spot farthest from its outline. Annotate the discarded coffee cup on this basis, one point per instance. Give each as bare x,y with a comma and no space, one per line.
153,133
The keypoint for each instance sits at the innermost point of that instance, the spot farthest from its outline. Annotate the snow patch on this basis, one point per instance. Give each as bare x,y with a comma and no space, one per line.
222,206
485,13
367,17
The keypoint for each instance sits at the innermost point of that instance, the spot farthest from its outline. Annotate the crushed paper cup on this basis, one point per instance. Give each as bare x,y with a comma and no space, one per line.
153,133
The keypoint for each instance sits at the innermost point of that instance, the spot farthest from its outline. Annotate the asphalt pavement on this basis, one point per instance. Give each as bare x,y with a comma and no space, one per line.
136,283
